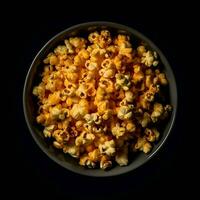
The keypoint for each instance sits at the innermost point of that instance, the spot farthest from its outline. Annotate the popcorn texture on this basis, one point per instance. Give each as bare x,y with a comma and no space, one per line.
98,99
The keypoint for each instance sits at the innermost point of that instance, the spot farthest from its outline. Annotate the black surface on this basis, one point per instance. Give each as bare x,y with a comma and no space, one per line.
32,171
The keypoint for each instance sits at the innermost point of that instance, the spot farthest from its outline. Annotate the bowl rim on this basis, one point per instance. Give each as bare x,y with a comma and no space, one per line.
142,37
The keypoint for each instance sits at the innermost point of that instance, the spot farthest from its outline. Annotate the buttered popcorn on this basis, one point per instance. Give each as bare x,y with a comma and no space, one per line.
99,98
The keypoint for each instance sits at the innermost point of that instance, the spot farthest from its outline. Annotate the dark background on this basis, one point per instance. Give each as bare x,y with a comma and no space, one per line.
31,170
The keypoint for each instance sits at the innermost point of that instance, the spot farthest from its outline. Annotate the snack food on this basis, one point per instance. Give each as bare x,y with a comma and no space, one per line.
99,98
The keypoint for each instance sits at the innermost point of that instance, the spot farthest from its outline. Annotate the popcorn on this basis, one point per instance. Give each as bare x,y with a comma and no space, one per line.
122,156
105,163
143,145
107,148
97,98
125,112
73,150
70,49
157,112
118,131
129,96
122,81
146,119
85,161
84,138
60,50
152,134
147,58
141,50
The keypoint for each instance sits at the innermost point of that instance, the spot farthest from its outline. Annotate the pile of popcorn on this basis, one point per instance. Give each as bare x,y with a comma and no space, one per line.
99,98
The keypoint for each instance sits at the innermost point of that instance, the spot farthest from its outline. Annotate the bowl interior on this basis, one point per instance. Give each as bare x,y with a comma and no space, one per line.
30,106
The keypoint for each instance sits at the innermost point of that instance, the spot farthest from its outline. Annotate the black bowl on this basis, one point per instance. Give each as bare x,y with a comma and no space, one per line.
30,106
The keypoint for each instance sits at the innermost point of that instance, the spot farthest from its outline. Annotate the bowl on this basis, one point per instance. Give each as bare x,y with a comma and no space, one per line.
30,106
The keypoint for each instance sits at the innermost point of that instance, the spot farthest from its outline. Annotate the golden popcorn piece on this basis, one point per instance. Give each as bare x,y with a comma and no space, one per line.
54,98
94,155
108,148
118,131
60,50
138,74
72,149
122,156
145,120
147,58
93,37
105,162
70,49
130,126
57,145
143,145
84,138
122,81
157,112
141,50
125,112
